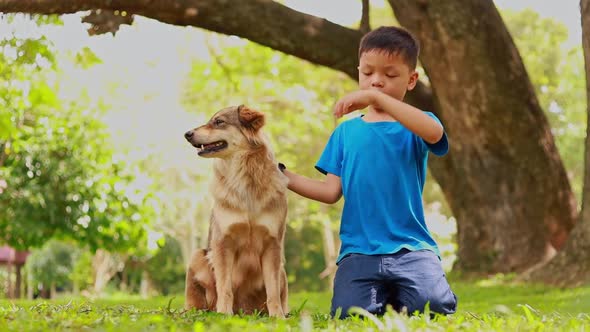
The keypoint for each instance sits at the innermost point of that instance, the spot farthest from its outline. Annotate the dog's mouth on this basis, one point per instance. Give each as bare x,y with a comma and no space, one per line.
210,148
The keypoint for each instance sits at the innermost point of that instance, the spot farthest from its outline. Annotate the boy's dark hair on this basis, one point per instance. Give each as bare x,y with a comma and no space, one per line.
392,40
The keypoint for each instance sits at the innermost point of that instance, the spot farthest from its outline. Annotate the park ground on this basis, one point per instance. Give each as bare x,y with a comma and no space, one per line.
485,305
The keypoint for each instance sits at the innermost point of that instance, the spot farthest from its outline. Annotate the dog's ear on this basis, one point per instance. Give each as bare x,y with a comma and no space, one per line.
250,118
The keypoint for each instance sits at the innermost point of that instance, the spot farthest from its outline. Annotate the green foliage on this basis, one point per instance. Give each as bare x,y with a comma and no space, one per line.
86,58
61,182
52,264
483,306
82,272
166,268
19,58
381,15
56,162
303,249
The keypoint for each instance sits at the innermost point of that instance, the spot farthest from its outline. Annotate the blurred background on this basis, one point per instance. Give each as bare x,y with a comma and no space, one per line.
99,192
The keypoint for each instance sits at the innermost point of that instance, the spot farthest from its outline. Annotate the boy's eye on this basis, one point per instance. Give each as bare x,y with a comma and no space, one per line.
391,75
367,73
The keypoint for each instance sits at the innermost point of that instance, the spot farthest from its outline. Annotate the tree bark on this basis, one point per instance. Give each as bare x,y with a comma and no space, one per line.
503,178
571,266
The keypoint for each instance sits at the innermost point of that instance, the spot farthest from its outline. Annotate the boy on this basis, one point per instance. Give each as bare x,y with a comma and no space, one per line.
378,163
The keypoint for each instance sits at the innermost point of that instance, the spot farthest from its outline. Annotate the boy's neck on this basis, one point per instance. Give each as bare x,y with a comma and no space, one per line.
375,115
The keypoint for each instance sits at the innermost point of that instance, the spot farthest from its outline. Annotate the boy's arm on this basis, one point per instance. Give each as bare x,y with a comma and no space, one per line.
409,116
328,191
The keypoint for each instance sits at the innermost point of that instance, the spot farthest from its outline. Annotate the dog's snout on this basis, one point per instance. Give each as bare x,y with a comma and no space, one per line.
188,134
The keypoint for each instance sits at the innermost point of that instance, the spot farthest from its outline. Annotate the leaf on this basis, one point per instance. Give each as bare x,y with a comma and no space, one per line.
7,128
43,95
528,313
86,58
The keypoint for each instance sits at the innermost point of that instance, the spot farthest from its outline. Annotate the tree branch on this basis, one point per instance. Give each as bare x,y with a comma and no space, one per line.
365,25
3,154
217,58
268,23
104,21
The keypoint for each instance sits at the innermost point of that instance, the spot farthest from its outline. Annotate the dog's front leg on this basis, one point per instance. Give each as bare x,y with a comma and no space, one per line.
223,261
284,290
271,270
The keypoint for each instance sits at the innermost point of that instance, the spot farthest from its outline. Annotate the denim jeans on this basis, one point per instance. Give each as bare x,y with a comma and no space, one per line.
409,279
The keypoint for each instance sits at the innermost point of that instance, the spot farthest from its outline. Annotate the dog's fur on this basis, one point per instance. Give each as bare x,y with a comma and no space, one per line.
242,270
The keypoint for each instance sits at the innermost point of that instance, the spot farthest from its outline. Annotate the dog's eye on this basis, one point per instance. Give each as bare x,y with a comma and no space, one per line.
218,122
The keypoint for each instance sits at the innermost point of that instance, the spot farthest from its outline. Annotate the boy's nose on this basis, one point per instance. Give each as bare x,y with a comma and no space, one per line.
377,84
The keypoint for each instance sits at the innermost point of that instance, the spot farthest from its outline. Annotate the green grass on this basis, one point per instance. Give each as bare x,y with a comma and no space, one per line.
483,306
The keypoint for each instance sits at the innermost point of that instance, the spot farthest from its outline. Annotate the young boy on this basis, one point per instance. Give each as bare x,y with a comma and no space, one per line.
378,163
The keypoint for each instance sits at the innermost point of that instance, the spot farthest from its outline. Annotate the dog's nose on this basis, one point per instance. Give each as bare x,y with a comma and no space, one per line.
188,134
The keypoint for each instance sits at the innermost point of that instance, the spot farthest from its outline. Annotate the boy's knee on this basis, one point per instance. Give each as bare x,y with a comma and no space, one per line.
339,312
345,312
340,308
442,303
343,309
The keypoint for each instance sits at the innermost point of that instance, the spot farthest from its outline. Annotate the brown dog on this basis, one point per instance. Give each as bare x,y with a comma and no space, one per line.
243,267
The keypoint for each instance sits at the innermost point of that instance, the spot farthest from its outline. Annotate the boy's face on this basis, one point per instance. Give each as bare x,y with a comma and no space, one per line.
387,73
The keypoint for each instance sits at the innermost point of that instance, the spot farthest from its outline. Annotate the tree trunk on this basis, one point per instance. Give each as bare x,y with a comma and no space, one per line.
52,291
9,284
31,286
503,178
76,288
571,266
18,282
146,287
124,285
105,265
45,292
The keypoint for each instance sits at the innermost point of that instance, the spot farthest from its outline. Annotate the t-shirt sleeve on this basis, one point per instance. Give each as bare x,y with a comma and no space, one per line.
441,147
331,159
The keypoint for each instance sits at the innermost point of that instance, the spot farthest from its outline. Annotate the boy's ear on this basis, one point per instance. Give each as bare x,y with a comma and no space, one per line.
413,80
250,118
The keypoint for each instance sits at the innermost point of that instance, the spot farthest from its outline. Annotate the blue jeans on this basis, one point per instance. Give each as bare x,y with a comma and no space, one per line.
409,279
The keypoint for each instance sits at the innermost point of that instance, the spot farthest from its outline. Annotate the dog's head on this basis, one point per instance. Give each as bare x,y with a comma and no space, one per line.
231,129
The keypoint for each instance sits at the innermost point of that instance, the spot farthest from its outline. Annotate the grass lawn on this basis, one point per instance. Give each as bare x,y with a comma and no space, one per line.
483,306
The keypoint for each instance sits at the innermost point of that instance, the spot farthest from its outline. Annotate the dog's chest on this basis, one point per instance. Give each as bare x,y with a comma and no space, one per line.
246,225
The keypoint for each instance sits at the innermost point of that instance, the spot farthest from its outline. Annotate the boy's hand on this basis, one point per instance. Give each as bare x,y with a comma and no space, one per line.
354,101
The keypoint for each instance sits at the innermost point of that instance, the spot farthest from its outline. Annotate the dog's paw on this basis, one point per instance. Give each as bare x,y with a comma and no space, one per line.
276,311
224,309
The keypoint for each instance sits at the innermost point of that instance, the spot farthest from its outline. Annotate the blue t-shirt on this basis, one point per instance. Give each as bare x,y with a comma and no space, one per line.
382,167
